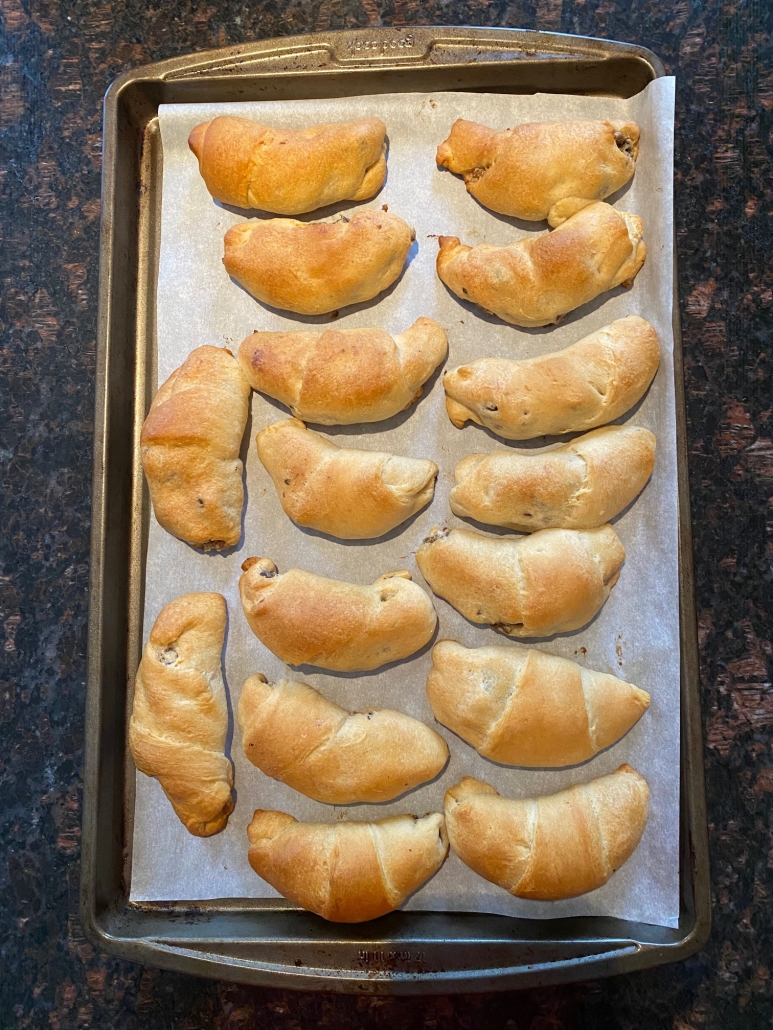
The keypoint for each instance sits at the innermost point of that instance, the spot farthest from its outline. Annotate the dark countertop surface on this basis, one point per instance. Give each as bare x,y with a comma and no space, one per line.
56,61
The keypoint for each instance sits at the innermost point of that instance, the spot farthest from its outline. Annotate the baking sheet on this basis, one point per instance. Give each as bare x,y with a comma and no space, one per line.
636,634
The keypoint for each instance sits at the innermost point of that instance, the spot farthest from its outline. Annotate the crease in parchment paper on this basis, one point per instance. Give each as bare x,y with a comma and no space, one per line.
636,634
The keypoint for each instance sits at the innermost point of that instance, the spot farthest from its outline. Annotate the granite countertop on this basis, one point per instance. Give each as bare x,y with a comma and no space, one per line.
56,62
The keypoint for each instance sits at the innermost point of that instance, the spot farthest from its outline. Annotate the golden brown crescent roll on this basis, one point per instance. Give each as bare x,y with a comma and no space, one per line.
190,449
308,619
538,279
293,733
180,719
347,872
551,847
315,267
343,376
520,706
583,386
578,485
290,171
542,169
346,492
553,581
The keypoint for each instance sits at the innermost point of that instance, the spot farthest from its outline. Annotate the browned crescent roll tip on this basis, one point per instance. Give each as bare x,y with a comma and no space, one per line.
344,376
308,619
553,581
190,449
315,267
520,706
290,171
294,734
583,386
179,719
347,872
344,491
553,847
542,169
579,485
536,280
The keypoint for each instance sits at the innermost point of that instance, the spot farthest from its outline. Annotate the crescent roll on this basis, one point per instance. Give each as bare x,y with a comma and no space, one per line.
347,872
520,706
346,492
294,734
579,485
344,376
583,386
290,171
552,847
539,279
308,619
315,267
553,581
542,169
190,449
179,721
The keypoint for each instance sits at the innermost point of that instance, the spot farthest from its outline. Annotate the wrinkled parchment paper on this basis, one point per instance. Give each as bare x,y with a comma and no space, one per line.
636,635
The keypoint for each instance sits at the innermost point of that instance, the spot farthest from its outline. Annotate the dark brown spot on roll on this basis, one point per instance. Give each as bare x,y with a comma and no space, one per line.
624,142
168,656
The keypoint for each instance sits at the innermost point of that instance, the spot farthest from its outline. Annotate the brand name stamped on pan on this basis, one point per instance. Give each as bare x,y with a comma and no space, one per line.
380,958
383,46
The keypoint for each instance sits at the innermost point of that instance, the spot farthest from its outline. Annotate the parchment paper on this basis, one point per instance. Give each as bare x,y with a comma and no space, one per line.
636,635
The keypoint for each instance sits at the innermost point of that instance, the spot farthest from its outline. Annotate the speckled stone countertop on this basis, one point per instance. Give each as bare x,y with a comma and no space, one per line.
56,60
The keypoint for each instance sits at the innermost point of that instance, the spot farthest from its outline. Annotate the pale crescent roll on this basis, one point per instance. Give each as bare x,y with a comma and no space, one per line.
315,267
190,446
583,386
346,492
542,169
536,280
520,706
553,581
579,485
289,171
344,376
308,619
294,734
179,720
345,871
552,847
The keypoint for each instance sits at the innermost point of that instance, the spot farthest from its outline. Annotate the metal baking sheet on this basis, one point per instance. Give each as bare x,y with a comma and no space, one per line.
261,941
